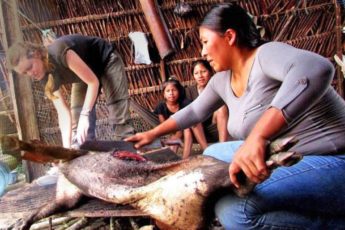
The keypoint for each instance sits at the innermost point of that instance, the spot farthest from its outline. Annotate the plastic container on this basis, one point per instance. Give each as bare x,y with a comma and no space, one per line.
5,177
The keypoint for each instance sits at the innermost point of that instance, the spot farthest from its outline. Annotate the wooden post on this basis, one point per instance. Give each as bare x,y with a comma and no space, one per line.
158,27
20,87
163,71
339,47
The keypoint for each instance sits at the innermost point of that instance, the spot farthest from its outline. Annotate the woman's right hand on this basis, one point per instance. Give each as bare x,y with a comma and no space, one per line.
250,158
83,126
141,139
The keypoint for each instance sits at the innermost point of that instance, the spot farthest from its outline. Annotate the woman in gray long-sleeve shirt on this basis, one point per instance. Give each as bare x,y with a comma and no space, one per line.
272,90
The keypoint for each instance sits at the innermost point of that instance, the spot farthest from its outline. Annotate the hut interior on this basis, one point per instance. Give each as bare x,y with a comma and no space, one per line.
314,25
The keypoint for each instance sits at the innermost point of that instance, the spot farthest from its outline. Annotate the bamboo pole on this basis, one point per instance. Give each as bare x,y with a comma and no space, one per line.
49,222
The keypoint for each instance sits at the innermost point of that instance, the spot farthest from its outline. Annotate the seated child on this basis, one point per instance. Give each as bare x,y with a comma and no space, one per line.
174,100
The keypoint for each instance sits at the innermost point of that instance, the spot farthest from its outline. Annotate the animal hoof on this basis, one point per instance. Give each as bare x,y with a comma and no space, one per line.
21,224
282,145
283,159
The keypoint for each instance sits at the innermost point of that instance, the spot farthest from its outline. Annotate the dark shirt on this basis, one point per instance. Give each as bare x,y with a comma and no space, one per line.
93,51
162,108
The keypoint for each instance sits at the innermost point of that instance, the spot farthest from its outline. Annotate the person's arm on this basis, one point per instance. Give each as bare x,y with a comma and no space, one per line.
251,155
147,137
221,122
192,114
166,126
64,119
161,118
204,105
305,77
176,135
83,71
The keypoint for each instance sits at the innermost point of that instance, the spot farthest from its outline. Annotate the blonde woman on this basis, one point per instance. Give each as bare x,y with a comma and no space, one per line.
77,59
78,92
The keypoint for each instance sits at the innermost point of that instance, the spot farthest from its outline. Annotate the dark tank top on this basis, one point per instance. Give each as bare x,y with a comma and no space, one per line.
93,51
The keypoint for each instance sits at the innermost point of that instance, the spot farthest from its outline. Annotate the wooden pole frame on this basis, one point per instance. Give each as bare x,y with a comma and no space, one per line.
20,87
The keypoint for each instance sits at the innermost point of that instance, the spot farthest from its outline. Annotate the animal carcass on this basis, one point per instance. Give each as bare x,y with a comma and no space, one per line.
173,193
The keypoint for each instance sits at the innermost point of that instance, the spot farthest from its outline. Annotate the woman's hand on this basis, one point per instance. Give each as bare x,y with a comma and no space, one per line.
83,127
141,139
250,158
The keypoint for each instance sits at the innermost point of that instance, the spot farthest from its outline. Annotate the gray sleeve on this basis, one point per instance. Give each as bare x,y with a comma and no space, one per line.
206,103
305,77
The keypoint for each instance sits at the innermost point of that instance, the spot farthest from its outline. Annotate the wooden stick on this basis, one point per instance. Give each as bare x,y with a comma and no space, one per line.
45,223
79,224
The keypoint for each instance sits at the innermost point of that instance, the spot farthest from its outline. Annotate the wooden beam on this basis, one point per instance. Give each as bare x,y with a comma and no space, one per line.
339,47
20,87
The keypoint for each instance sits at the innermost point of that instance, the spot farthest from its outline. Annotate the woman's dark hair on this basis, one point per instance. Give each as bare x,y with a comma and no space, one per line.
231,16
203,62
179,87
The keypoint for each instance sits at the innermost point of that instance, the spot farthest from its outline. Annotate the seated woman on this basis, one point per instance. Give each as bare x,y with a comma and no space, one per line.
215,125
273,90
174,100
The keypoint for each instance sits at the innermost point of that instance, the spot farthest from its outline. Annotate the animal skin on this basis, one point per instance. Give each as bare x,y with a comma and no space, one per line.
175,194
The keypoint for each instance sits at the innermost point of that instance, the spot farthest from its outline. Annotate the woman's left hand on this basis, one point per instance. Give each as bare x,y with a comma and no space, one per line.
83,127
250,158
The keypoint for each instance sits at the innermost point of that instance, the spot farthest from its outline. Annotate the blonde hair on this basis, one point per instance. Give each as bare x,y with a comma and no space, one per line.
25,49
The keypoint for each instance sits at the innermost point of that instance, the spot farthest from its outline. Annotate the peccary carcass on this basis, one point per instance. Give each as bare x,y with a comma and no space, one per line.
173,193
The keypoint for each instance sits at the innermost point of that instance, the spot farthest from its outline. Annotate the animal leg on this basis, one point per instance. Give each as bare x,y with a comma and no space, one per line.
65,199
43,212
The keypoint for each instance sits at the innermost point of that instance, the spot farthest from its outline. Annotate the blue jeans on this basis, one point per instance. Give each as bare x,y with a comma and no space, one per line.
307,195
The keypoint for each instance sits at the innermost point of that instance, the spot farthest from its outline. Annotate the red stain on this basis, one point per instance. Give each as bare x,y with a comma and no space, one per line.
126,155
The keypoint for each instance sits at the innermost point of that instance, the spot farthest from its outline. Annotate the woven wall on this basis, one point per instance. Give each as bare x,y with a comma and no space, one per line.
308,24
